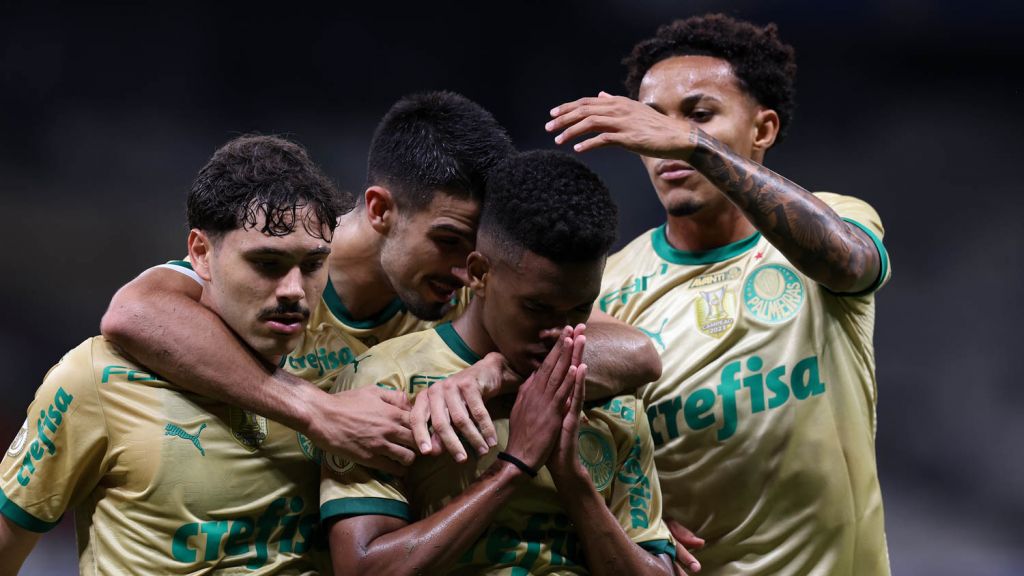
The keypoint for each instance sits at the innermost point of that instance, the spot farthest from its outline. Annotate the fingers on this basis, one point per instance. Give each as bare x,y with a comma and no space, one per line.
482,419
578,389
684,535
441,421
393,397
419,417
461,420
541,375
685,559
579,341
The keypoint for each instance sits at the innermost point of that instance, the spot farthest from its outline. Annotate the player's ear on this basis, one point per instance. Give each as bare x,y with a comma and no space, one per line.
478,268
380,208
200,247
766,130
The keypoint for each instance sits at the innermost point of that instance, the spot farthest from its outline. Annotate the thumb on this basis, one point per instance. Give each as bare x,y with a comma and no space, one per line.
603,94
394,397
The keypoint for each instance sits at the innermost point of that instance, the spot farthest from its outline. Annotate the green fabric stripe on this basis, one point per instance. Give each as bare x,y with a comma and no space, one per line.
665,250
17,514
883,256
181,263
659,547
456,343
348,507
341,313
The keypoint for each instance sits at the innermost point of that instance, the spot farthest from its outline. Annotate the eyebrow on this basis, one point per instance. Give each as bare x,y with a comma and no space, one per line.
445,227
688,101
265,251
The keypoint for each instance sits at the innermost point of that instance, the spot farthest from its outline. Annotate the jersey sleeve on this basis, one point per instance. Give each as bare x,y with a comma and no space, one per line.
860,214
59,455
636,494
348,489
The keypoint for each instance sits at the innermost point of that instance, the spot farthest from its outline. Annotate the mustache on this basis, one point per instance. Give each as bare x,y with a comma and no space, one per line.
285,309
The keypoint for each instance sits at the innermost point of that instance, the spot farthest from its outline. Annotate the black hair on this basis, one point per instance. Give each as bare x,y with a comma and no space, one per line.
268,176
551,204
435,142
763,64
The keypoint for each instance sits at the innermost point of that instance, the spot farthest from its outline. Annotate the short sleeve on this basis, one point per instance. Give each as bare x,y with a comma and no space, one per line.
57,458
183,267
636,494
860,214
348,489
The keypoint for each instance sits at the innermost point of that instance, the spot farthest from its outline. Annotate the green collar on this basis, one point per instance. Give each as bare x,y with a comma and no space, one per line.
447,333
659,239
333,302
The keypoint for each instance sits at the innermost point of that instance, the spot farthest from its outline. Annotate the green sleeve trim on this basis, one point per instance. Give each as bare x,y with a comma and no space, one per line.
340,312
19,516
456,343
181,263
883,264
666,251
349,507
659,547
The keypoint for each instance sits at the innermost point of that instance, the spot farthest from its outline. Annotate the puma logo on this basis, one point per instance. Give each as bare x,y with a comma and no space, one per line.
656,336
175,430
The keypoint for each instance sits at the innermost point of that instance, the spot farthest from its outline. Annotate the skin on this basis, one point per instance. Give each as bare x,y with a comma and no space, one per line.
376,247
260,286
703,140
516,301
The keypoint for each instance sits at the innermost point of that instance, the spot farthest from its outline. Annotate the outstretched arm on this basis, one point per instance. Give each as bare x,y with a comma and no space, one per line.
809,233
15,545
158,320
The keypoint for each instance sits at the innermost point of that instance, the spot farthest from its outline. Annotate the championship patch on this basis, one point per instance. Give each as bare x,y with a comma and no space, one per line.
773,293
309,449
596,455
716,311
248,428
19,441
337,464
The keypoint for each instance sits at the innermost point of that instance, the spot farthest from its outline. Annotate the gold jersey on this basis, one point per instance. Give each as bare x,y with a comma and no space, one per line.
764,417
533,533
161,481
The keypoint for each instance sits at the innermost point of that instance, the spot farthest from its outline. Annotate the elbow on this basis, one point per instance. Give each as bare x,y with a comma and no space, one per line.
648,363
116,324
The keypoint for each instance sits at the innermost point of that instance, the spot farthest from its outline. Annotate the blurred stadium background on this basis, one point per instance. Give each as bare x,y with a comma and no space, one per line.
108,110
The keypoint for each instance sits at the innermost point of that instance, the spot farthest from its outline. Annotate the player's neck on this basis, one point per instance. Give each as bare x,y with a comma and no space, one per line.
355,269
708,229
470,328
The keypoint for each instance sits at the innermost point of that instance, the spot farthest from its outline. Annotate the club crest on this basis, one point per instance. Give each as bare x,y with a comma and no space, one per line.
19,441
773,294
310,450
596,455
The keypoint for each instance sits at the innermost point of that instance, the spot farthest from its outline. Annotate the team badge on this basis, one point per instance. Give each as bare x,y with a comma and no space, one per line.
338,464
716,311
248,428
309,449
596,456
19,441
773,293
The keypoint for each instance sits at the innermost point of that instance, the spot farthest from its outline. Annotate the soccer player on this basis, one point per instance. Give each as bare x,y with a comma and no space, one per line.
572,492
161,480
759,296
390,273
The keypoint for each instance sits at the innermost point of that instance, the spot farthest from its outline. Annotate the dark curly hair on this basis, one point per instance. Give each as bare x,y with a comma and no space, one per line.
435,141
551,204
764,66
256,176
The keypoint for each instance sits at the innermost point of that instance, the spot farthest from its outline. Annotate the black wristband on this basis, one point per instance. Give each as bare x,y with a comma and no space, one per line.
517,463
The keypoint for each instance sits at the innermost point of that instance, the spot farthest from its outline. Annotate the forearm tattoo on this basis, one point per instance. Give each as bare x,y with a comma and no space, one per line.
805,229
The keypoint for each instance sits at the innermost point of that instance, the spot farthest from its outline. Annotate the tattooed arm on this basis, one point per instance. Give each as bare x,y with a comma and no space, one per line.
806,230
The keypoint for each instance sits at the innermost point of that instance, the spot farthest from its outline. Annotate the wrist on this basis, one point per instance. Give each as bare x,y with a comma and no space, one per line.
300,405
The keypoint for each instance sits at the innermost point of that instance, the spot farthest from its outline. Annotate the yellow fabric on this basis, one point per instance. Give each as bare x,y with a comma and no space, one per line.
764,418
532,535
162,481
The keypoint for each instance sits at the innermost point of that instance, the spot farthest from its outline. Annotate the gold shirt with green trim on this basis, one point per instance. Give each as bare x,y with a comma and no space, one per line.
764,417
162,481
532,534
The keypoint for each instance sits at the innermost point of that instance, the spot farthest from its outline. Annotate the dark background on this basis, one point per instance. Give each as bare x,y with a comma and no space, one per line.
109,110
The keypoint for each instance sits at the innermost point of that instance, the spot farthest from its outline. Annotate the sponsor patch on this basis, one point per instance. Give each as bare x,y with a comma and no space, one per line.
705,280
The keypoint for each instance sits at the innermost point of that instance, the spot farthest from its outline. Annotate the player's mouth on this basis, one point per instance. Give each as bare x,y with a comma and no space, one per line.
673,170
443,291
286,324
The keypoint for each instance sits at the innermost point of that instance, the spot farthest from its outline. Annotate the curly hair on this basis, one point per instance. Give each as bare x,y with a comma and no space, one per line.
763,64
551,204
264,180
435,141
